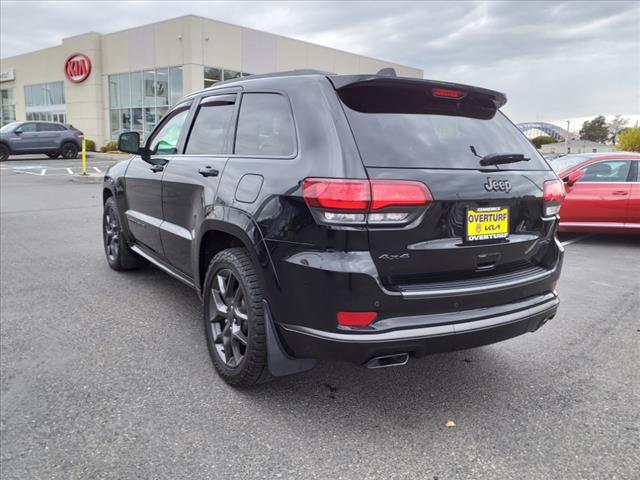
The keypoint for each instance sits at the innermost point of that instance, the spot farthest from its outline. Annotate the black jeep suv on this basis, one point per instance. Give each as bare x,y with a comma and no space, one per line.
365,218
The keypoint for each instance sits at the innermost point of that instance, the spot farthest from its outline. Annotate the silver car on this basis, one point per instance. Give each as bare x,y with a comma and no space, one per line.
51,138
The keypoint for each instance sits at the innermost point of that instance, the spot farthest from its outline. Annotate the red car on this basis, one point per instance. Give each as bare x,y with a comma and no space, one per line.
603,192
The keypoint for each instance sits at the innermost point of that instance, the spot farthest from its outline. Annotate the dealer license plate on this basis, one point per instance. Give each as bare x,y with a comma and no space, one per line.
487,223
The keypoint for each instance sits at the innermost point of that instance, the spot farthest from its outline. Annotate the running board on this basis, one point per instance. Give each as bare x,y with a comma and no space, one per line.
163,267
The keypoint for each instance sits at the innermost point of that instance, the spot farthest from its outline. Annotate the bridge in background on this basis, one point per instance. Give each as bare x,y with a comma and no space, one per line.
546,128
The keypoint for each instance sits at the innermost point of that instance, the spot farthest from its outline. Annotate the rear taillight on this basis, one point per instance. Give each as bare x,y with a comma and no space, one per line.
552,197
79,134
361,201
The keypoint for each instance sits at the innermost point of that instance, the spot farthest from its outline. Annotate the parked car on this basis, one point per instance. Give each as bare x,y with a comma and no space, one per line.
50,138
365,218
603,192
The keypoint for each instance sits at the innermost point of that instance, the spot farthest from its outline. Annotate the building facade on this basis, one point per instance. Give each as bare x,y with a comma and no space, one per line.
575,146
105,84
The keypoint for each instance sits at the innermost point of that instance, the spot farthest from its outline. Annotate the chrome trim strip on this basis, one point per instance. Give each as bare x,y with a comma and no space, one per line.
177,230
137,217
428,332
454,292
162,267
600,224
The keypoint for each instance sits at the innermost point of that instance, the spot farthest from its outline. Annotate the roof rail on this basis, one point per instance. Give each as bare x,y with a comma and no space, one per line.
288,73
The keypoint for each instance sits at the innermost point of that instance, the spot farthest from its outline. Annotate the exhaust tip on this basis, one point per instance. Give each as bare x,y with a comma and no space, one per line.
384,361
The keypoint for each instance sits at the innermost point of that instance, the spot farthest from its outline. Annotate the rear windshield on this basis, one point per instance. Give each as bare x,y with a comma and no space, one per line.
454,139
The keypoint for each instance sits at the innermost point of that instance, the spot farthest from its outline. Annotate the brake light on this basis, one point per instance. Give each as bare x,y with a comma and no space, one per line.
360,201
552,197
337,194
356,319
394,193
79,133
446,93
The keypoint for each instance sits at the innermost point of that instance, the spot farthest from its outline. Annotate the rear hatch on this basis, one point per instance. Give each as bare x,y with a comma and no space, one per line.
484,217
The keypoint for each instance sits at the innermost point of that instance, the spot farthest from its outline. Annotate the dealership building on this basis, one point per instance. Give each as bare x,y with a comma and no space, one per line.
104,84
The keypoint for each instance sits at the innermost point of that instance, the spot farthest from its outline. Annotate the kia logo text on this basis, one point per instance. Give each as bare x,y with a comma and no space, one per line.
497,185
77,67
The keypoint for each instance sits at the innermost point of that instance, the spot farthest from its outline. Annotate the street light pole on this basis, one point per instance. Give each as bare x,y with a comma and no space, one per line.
566,139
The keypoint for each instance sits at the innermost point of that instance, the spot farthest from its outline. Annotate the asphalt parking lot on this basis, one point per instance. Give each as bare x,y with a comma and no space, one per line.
106,374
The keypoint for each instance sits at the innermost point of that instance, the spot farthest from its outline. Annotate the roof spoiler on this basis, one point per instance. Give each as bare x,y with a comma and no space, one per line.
384,79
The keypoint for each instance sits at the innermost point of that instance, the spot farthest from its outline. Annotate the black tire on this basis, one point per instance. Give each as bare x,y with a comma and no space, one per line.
119,255
4,152
69,150
54,155
241,364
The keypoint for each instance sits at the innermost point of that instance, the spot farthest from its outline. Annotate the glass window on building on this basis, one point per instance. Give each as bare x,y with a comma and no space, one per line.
45,102
138,100
162,86
7,106
231,74
213,75
47,116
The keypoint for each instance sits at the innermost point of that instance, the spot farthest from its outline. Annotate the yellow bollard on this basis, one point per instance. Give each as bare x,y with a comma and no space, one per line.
84,156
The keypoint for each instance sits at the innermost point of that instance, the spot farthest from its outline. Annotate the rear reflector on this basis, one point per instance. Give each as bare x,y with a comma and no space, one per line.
552,197
356,319
445,93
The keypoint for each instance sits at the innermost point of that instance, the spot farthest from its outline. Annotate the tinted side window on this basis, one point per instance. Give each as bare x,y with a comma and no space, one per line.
611,171
265,126
49,127
28,127
165,139
212,125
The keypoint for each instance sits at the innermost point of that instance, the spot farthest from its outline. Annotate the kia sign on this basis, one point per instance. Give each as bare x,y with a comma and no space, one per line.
77,67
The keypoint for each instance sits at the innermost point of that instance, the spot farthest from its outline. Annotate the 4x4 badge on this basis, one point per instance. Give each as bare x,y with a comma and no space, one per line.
497,185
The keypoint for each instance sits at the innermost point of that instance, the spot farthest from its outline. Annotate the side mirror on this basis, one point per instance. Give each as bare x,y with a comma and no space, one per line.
574,177
129,142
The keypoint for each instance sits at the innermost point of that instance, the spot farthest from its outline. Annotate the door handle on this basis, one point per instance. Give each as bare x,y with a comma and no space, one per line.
208,172
620,192
156,168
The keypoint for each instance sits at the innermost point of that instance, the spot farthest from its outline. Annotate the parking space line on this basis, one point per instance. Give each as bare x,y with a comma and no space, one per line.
70,171
577,239
43,171
97,169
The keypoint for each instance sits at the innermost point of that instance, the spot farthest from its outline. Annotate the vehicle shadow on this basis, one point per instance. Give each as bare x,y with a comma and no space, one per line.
462,386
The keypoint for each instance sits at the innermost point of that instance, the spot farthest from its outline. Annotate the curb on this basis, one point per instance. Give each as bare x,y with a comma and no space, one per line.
89,178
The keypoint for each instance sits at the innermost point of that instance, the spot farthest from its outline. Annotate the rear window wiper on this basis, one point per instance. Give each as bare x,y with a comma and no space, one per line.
502,158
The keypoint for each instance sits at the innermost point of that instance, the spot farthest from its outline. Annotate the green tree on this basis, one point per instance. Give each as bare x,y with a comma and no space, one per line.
543,140
629,140
616,127
595,130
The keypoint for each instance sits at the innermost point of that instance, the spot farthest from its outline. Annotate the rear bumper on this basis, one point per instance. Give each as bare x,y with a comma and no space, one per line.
429,335
414,319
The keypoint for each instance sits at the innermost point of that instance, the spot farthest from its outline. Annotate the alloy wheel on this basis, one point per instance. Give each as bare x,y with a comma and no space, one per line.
69,151
112,236
228,318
